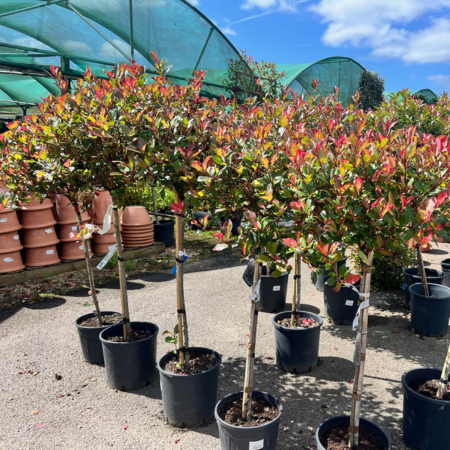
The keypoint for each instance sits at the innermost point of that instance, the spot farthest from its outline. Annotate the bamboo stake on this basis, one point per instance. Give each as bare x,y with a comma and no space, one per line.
89,267
297,293
422,273
360,363
251,343
154,205
122,274
444,377
183,332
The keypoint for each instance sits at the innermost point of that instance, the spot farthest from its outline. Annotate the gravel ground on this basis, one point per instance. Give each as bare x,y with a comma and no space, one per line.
80,411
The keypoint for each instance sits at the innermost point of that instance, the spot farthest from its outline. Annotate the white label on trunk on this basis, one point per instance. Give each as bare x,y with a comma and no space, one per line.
256,445
49,230
5,219
276,288
50,252
80,247
16,237
8,259
105,260
74,228
349,302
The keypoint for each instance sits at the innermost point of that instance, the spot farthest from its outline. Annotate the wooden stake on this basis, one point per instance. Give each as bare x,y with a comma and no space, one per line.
122,273
360,362
251,343
183,334
422,273
444,377
89,267
154,205
297,286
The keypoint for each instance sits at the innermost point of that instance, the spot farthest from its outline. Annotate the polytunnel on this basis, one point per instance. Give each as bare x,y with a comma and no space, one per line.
75,34
427,93
337,71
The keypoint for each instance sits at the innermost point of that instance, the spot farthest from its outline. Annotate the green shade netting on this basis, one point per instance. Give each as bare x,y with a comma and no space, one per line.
332,72
75,34
427,93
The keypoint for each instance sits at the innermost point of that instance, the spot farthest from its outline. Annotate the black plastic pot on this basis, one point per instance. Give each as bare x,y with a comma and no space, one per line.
429,315
364,423
164,232
445,266
272,292
245,438
236,224
425,420
340,307
189,400
412,277
89,338
130,365
297,349
319,284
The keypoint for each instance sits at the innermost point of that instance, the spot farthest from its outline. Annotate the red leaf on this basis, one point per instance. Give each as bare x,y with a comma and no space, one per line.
177,440
40,425
177,208
351,381
126,427
352,278
335,348
290,243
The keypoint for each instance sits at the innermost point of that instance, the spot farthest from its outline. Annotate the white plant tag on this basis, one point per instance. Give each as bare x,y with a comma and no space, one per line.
16,237
276,288
105,260
74,228
80,247
49,230
256,445
5,219
50,252
8,259
112,247
349,302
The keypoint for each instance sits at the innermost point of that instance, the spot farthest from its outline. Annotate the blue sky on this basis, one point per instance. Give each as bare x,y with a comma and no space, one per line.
406,41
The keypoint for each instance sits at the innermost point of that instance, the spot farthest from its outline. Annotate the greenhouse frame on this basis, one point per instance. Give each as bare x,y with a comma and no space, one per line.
427,93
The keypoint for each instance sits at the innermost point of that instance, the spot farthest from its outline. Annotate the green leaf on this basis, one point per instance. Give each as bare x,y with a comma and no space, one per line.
363,257
272,246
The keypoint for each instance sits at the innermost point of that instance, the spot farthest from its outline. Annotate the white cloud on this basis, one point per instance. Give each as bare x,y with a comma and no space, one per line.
77,47
380,25
229,31
194,2
440,80
279,5
109,52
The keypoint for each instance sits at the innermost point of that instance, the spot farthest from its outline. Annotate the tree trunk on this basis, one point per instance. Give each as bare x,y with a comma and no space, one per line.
421,269
250,362
122,273
360,351
444,377
154,205
89,267
297,290
183,332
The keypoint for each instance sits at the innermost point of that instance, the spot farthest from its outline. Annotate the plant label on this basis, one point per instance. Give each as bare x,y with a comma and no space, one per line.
276,288
50,252
8,259
16,237
80,247
74,228
349,302
49,230
256,445
5,219
105,260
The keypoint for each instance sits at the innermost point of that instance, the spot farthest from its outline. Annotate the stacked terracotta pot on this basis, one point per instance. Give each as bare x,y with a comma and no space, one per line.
102,243
10,259
71,248
137,227
39,236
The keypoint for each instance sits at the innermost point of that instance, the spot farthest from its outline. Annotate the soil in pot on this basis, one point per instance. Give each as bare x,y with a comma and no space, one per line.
337,439
429,389
92,322
133,336
263,412
197,364
302,322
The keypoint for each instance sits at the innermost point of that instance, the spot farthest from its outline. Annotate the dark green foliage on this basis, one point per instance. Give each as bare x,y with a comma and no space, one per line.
371,88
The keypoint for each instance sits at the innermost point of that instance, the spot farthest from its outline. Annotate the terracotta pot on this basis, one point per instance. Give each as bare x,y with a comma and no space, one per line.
145,244
11,262
102,199
3,190
9,221
52,197
108,238
72,251
10,242
137,229
66,212
135,216
40,237
42,256
138,239
35,205
102,249
66,230
31,219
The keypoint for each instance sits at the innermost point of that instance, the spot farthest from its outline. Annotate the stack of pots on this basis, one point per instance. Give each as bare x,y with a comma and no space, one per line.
10,259
102,243
39,237
71,248
137,227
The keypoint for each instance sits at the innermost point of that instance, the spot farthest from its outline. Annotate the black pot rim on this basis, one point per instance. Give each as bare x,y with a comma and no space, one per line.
217,354
419,277
433,401
436,299
162,222
222,422
278,326
446,261
94,314
284,274
129,343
